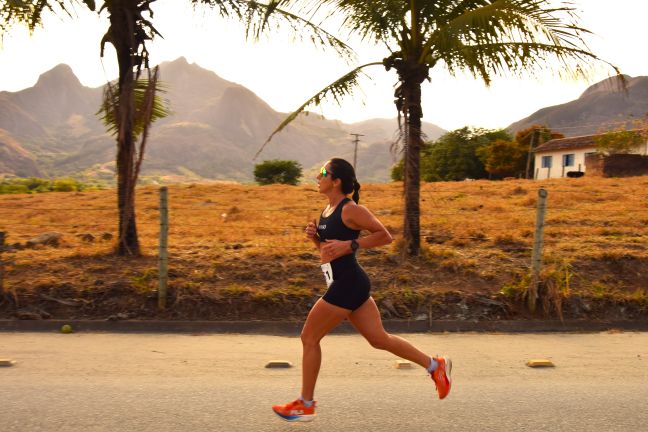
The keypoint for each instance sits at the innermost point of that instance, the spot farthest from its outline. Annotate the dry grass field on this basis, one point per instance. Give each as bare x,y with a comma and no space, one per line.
238,251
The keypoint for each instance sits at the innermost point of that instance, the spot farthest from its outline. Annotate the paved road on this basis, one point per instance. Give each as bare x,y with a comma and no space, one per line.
119,382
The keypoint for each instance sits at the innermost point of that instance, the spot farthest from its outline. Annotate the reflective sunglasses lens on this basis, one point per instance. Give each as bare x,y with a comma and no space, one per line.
323,172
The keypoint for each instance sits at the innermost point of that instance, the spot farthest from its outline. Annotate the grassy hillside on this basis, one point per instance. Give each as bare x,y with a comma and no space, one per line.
238,251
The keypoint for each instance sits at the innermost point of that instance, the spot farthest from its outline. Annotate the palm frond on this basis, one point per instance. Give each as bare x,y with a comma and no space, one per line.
509,35
520,59
378,21
144,113
259,17
342,87
30,12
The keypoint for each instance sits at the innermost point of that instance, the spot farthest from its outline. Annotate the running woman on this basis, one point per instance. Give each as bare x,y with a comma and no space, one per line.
347,297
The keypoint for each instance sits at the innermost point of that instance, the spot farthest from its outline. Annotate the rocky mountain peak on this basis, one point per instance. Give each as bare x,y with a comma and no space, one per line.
61,76
609,85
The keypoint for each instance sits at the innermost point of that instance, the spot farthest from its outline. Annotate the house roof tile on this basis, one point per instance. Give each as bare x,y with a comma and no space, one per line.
568,143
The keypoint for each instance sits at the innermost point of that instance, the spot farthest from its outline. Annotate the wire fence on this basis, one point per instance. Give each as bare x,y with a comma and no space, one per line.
470,223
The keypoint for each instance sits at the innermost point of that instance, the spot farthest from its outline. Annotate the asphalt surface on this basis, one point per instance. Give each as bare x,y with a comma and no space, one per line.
156,382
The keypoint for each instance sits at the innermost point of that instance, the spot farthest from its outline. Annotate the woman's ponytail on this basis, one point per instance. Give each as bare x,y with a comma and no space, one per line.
356,192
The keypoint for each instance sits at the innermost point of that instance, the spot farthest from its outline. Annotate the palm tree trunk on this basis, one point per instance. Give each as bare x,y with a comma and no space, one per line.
412,174
128,239
122,25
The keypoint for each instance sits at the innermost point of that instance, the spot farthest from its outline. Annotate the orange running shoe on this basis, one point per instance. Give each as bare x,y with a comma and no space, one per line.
441,376
295,411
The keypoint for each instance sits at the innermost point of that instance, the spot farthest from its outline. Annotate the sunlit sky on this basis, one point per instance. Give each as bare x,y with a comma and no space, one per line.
284,72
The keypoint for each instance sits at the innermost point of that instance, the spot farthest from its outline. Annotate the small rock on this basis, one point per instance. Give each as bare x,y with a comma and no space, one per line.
32,315
439,238
537,363
388,305
278,364
47,239
87,237
6,363
402,364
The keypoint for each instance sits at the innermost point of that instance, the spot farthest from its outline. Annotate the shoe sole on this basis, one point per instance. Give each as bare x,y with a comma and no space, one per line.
298,418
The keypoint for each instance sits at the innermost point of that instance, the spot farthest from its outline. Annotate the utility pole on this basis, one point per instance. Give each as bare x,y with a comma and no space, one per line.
532,143
355,151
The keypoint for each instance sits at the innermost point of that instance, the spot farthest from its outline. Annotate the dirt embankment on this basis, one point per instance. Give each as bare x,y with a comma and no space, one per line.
279,290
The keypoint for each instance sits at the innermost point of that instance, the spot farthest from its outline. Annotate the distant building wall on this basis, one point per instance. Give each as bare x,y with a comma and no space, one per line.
594,165
558,169
618,165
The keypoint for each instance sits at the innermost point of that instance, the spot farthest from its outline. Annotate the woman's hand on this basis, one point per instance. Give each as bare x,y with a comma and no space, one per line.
311,230
332,249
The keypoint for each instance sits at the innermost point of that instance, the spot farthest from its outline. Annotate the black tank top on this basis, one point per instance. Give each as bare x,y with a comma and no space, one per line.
332,227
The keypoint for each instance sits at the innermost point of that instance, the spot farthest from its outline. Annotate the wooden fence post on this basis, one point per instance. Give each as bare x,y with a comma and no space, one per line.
162,254
536,257
2,247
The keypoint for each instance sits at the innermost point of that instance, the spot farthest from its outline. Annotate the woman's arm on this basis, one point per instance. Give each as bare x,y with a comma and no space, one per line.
358,218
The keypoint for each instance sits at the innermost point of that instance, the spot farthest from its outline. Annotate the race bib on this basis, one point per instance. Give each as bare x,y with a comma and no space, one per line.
328,273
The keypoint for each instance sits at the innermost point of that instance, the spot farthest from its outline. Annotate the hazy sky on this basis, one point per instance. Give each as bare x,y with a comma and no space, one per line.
285,73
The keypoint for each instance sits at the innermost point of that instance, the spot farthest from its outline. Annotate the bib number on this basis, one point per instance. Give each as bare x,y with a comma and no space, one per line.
328,273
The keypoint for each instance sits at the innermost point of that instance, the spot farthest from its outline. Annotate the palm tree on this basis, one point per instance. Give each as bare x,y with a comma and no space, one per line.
128,32
482,37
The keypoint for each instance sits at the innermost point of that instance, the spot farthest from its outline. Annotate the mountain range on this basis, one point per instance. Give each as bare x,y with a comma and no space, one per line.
215,128
604,106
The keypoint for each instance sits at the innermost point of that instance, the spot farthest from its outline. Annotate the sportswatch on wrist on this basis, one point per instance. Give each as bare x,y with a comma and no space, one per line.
354,245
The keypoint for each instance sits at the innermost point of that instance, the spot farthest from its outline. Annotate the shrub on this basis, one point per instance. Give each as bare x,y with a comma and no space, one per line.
65,185
39,185
7,188
397,171
277,171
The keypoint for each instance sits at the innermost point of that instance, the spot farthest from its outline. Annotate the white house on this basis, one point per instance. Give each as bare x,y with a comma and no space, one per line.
558,157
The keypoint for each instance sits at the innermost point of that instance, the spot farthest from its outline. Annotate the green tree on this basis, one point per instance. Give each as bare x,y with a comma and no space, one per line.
620,142
454,156
503,158
278,171
396,173
482,37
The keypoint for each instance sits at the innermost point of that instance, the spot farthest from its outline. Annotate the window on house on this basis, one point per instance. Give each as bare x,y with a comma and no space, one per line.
546,161
568,160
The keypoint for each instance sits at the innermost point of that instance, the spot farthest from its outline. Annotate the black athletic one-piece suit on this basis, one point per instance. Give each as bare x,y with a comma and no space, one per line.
351,285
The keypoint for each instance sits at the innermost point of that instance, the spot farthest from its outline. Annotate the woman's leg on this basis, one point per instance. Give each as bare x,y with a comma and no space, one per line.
322,318
366,319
